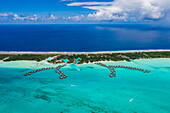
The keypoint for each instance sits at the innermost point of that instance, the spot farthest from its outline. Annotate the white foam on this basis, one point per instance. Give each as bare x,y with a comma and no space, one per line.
72,85
78,69
131,99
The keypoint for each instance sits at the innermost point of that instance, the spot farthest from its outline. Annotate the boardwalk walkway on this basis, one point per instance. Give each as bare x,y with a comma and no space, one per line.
113,72
56,69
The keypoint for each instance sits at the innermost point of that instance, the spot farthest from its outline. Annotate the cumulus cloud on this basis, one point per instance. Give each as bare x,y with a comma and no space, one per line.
76,18
123,9
30,17
53,17
23,18
17,17
3,14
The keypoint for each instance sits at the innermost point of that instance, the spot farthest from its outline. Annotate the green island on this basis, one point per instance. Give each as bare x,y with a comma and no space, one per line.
85,57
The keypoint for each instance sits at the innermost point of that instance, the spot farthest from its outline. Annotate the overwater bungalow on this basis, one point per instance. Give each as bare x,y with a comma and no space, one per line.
113,72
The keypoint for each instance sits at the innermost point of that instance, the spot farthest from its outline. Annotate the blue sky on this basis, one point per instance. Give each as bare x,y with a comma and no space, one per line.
42,7
84,10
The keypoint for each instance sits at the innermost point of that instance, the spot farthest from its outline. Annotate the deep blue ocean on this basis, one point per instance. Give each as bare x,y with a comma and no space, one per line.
83,37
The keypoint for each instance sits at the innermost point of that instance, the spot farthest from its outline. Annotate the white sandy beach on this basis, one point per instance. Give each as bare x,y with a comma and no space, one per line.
126,51
34,64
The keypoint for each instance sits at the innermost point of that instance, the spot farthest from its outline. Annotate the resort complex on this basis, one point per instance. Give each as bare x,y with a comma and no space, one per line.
89,57
80,58
111,68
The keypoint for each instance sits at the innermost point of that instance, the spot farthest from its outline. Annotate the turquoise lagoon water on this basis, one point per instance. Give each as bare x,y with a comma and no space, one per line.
89,90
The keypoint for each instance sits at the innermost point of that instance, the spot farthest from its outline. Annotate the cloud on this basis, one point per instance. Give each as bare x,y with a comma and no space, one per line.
22,18
127,10
66,0
53,17
76,18
3,14
88,3
16,17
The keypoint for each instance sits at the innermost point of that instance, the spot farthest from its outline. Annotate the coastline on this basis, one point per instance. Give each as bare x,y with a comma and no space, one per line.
31,64
16,58
123,51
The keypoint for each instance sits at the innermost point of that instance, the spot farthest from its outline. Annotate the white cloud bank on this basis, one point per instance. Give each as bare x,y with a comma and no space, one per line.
66,0
127,9
88,3
6,17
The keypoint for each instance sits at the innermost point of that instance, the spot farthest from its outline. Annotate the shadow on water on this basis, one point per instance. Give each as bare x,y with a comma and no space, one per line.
90,67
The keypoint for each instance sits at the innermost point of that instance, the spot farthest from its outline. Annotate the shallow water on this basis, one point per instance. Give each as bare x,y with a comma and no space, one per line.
88,90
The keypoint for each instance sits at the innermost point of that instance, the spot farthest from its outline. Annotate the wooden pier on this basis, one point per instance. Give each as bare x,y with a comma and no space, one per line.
113,72
56,69
62,75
